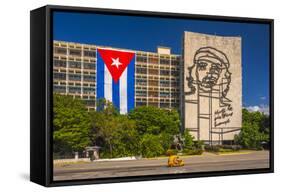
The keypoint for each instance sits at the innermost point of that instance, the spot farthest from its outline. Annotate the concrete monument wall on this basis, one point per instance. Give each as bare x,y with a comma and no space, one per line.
211,100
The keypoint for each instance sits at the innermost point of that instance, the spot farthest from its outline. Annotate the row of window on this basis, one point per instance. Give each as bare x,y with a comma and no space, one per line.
74,77
156,83
162,105
73,89
74,84
76,64
73,64
156,72
74,52
140,58
155,60
91,78
155,94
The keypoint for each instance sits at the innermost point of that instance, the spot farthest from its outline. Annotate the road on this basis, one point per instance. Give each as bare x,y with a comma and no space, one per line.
202,163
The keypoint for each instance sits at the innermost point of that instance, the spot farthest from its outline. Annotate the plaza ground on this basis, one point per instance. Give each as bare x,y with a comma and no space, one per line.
200,163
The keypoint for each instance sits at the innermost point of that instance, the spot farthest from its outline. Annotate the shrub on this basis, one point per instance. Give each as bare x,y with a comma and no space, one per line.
150,146
222,148
192,151
188,140
212,148
232,147
198,144
171,152
225,150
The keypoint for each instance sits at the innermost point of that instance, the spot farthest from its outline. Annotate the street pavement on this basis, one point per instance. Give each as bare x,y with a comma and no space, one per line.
199,163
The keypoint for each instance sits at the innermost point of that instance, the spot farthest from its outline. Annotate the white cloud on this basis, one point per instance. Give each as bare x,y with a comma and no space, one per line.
261,108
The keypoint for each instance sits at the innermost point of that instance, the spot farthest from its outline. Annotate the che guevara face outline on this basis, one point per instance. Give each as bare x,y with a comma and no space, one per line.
208,72
209,65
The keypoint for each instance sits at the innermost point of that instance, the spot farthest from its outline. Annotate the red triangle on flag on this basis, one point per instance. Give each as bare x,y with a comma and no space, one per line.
116,61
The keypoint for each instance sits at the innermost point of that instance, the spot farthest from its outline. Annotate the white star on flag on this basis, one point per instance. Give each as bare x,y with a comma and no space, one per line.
116,62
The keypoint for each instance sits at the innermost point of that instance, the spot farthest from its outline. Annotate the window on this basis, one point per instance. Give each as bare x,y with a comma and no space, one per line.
89,66
175,73
141,70
153,82
74,89
142,59
89,53
174,94
174,84
175,105
140,103
164,72
74,64
74,77
164,94
164,83
153,60
89,78
90,103
141,93
153,71
141,81
89,90
61,76
175,62
164,105
74,52
59,89
60,50
59,63
153,94
164,61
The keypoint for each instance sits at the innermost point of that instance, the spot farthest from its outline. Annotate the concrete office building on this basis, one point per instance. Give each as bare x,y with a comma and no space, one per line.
156,74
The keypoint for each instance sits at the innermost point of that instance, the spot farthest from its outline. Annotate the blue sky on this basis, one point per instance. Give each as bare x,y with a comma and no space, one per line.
143,33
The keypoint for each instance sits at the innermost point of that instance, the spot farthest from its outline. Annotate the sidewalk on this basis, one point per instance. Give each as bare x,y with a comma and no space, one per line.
195,159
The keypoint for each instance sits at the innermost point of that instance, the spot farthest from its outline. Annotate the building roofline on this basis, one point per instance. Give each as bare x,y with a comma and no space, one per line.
102,46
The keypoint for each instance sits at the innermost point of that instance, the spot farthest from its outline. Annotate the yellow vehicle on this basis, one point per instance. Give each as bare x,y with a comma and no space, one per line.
175,161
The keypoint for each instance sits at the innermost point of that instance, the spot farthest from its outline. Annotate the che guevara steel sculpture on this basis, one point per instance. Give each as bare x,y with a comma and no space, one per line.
210,76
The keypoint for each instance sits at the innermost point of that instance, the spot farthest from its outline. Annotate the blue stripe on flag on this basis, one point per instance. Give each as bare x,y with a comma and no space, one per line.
100,78
116,94
131,85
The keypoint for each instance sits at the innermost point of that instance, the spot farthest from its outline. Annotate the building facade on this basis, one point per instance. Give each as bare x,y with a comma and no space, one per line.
211,87
156,74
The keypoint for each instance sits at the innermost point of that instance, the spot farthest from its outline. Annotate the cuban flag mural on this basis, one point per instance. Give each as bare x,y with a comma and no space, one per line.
116,78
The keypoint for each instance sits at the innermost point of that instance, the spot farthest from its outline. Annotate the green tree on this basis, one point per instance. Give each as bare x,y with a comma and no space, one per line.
126,140
154,120
250,137
157,124
71,124
255,129
105,123
188,140
115,133
150,146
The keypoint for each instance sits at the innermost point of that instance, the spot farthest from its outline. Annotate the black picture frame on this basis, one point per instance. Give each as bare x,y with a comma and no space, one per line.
41,166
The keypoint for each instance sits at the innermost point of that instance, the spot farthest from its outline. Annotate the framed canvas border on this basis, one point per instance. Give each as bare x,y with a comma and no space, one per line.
41,101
